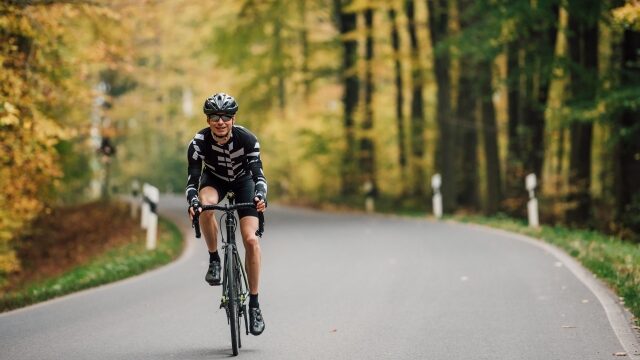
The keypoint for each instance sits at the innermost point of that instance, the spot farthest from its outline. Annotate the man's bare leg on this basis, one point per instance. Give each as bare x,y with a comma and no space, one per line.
248,228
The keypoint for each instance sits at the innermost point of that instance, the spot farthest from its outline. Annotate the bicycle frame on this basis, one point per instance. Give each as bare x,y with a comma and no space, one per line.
230,246
234,291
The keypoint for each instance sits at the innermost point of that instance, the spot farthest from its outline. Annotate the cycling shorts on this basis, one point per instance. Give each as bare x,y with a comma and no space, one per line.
243,188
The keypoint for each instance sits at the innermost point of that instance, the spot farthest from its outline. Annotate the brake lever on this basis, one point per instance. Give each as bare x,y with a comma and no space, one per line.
195,224
260,230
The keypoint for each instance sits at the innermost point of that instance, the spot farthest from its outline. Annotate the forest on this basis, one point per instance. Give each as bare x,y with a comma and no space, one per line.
95,94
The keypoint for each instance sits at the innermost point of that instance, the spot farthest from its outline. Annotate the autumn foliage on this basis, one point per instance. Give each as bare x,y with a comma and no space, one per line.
48,55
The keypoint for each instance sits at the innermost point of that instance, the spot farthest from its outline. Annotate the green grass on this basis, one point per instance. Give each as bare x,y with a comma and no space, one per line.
614,261
116,264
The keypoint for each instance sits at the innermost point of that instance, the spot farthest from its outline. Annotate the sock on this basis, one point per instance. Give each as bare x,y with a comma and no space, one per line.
213,256
253,301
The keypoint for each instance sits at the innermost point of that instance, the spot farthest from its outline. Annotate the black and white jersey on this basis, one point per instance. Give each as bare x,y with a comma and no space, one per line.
236,160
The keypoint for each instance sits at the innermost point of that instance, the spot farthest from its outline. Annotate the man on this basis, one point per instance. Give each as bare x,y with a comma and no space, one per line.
231,157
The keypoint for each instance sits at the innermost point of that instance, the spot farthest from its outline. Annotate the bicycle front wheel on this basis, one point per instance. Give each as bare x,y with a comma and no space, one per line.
241,310
233,302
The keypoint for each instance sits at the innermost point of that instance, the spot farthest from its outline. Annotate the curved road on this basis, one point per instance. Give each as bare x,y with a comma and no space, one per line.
344,286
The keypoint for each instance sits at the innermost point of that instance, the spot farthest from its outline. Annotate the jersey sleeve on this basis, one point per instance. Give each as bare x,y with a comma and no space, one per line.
194,170
255,165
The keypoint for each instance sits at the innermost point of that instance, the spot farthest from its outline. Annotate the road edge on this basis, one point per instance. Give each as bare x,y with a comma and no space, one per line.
620,319
187,252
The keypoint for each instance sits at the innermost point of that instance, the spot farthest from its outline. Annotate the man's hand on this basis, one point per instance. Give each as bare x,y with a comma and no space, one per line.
261,201
194,207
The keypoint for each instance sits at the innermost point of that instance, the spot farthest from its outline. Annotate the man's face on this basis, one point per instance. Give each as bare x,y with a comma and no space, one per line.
220,124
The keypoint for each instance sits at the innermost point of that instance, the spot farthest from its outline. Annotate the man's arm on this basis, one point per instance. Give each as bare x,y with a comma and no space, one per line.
255,168
194,157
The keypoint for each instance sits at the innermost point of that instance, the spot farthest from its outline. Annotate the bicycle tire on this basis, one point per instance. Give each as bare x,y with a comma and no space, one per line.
240,312
233,300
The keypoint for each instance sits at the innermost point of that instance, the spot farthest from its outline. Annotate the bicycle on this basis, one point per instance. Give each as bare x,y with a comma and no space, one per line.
235,288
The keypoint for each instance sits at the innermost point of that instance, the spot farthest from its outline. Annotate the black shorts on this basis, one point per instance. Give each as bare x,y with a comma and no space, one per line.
243,188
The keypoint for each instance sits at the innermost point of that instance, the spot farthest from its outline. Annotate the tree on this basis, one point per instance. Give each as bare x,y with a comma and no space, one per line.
583,54
367,145
399,86
490,136
417,124
45,94
466,117
445,152
530,62
624,106
347,25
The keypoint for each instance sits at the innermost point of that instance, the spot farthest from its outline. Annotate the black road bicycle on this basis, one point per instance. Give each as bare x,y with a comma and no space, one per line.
235,289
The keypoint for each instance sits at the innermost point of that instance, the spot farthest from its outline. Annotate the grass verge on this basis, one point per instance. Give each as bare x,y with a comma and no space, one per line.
614,261
115,264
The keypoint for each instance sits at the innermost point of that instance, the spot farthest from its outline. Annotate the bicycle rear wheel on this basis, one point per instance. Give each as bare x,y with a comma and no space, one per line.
233,301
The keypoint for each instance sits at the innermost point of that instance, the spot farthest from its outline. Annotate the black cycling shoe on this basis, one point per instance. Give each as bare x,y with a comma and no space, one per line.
256,322
213,273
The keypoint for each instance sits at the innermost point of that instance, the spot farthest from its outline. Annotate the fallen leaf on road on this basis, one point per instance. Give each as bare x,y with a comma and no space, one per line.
620,354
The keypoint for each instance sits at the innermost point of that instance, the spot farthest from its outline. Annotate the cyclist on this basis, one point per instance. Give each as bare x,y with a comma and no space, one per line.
231,157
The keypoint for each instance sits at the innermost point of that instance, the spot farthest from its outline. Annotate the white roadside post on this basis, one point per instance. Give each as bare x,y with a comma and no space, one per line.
135,194
152,197
144,215
532,205
436,182
369,204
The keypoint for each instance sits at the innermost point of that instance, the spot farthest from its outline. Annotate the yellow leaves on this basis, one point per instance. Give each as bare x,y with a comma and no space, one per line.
9,262
628,15
50,57
9,115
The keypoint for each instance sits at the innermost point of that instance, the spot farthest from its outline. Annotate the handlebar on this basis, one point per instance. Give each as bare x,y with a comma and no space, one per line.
229,208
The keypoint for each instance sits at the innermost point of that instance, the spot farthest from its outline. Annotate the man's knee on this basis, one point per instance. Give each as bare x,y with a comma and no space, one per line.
209,196
251,243
209,199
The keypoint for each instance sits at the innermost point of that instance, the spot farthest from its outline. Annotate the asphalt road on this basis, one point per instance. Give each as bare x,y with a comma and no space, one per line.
344,286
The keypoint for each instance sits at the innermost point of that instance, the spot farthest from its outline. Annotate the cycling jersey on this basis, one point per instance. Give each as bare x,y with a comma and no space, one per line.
230,163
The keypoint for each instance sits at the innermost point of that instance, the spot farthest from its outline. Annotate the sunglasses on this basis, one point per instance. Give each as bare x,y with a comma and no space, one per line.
216,117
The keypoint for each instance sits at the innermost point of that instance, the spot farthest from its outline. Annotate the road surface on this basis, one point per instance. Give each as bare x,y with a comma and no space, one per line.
344,286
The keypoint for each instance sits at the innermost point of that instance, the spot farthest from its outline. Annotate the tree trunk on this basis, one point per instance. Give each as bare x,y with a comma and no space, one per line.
417,141
304,45
367,146
628,170
438,23
539,57
278,59
515,192
347,24
402,153
490,137
466,122
583,51
529,67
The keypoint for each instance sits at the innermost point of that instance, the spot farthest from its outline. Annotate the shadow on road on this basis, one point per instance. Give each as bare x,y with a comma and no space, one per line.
196,353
